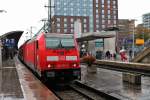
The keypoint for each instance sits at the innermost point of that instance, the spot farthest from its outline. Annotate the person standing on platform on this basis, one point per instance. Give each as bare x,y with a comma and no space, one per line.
107,54
123,55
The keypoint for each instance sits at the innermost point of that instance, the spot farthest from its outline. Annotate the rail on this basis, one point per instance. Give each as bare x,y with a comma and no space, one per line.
80,91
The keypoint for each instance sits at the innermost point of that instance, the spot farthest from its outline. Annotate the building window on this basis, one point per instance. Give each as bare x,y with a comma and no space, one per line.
65,19
65,25
65,3
65,9
97,16
108,11
102,1
71,9
96,1
58,19
103,16
109,22
71,4
71,30
85,30
72,26
97,30
97,26
58,25
103,21
115,22
96,5
96,11
97,21
71,20
58,3
65,14
58,30
114,12
108,2
84,25
84,20
108,6
65,30
109,17
103,26
102,6
114,6
114,2
103,11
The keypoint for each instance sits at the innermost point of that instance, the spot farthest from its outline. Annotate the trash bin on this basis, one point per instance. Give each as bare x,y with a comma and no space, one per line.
98,54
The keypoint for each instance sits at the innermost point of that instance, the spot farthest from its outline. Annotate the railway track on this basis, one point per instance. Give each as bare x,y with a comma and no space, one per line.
79,91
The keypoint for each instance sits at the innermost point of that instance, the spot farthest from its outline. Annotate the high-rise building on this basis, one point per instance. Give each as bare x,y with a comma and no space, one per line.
94,15
146,20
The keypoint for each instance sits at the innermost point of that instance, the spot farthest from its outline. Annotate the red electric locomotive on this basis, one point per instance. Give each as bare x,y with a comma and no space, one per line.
52,56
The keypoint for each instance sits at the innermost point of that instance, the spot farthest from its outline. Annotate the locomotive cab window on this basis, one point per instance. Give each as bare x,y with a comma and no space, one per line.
52,42
67,43
60,43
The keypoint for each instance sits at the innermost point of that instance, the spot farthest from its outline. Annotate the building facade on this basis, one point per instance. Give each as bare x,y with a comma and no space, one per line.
146,20
125,33
105,14
95,15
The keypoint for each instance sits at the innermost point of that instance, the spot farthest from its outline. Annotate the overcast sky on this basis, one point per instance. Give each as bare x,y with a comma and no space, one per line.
21,14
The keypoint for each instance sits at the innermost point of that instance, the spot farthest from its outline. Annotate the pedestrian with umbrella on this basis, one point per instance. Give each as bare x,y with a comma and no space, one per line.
123,55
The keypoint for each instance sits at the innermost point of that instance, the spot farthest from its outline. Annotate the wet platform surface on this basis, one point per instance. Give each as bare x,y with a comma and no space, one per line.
18,83
10,88
111,82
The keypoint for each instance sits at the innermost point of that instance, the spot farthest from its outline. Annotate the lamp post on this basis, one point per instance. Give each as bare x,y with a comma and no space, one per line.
133,43
133,37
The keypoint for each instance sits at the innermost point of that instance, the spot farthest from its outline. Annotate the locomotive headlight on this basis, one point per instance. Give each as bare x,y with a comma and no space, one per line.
49,66
52,58
71,57
74,65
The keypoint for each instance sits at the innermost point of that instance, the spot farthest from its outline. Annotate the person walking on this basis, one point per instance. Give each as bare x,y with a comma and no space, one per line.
108,54
123,56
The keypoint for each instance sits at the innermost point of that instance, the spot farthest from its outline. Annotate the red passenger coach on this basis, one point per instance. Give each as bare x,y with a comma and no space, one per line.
52,56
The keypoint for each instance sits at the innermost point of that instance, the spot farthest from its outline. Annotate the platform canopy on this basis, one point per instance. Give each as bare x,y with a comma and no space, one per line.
96,35
12,35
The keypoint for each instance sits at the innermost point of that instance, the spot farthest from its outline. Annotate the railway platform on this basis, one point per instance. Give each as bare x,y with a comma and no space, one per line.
18,83
110,82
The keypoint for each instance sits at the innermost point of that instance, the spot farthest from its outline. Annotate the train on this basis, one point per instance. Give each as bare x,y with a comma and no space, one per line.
52,56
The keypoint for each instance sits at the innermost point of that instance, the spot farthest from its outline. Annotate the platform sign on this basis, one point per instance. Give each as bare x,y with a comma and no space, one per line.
139,41
129,41
99,44
9,42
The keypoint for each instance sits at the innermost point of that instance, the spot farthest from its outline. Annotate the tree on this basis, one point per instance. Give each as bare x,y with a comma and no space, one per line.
142,32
